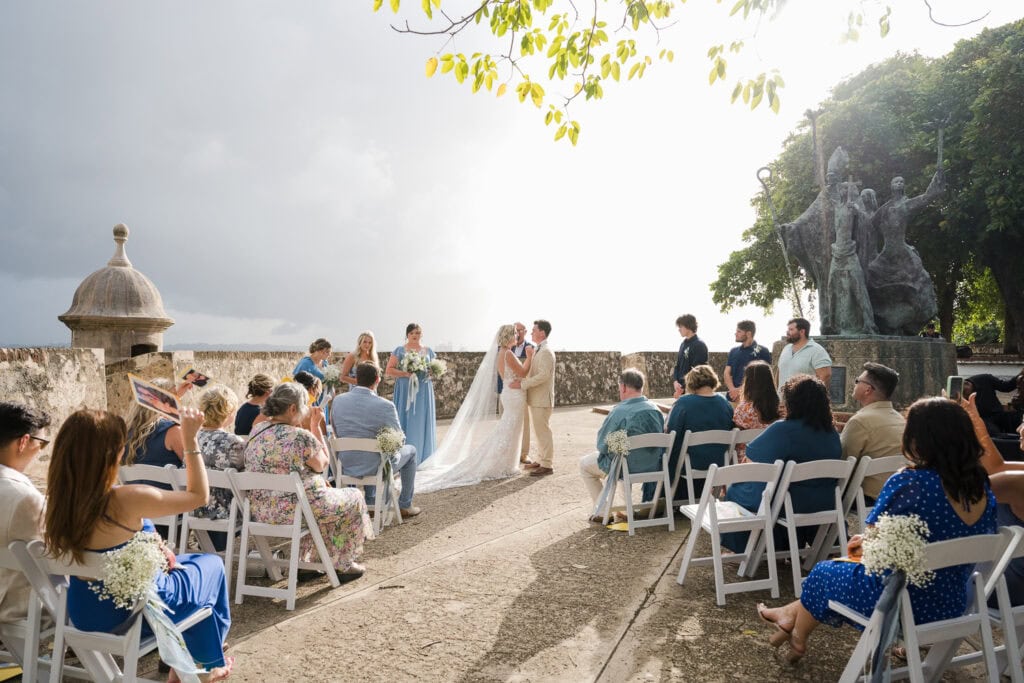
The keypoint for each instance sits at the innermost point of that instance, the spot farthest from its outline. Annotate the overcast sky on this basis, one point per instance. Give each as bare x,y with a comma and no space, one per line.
288,172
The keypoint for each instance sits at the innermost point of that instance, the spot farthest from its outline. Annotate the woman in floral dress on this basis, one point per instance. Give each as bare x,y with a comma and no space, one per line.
759,402
220,450
281,446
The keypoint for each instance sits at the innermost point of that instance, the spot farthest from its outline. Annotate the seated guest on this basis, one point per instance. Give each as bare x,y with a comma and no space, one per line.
634,414
314,421
361,413
741,356
997,417
759,402
698,410
220,450
280,446
876,430
946,487
22,437
1007,480
249,412
805,435
87,511
152,439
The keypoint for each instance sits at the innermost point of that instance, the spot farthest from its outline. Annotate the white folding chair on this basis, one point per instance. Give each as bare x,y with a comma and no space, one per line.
659,477
839,470
385,502
201,526
989,553
717,517
870,467
162,475
741,437
303,523
684,467
20,639
94,649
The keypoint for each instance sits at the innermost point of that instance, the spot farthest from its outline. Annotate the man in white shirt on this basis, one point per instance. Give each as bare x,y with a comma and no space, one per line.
876,430
802,355
22,436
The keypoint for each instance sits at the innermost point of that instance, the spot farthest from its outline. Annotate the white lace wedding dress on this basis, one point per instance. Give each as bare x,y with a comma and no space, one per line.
478,446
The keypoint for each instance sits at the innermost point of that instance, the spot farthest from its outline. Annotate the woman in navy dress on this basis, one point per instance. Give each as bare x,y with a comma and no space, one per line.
947,487
87,512
415,412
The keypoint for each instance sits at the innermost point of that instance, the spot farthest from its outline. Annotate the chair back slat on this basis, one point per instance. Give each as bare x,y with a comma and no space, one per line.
745,436
751,472
279,483
721,437
653,440
163,475
349,443
886,464
821,469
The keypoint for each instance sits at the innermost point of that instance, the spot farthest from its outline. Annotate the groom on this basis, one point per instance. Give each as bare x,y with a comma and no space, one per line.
539,384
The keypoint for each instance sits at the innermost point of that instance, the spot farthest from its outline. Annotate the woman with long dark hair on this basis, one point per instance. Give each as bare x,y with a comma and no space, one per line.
87,511
947,487
759,401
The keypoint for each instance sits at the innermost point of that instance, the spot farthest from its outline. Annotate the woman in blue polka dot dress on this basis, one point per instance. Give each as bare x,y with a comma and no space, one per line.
946,487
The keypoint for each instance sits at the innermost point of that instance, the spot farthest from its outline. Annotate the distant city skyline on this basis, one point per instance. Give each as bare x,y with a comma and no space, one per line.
287,173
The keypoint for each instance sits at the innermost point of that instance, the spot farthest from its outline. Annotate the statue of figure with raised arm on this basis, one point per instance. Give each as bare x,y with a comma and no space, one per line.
901,290
848,293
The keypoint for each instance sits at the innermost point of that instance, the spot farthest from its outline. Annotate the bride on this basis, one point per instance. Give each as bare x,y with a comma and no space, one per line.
477,446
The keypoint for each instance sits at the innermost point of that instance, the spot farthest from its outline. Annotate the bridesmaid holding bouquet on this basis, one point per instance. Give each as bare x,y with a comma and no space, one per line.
414,391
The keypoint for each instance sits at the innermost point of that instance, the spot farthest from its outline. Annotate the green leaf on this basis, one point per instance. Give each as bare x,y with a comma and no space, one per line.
633,70
426,9
736,91
394,5
560,133
574,133
738,6
377,4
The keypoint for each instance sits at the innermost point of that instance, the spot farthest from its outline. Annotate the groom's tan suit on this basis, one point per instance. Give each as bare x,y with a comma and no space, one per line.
539,384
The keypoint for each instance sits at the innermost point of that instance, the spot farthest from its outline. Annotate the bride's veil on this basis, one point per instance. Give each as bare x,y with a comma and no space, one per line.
475,417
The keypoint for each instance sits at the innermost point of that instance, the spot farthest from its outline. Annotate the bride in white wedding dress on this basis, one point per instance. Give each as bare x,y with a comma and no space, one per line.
478,445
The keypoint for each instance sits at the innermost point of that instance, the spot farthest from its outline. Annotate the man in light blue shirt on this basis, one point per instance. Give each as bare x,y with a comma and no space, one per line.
360,413
803,355
636,415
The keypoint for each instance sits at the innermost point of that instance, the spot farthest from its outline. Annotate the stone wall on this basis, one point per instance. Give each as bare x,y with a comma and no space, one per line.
57,380
657,366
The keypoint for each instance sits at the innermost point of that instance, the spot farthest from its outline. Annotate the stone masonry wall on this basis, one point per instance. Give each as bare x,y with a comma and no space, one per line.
59,381
657,366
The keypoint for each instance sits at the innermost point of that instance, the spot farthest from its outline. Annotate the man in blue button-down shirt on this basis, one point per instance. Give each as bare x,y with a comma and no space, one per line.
636,415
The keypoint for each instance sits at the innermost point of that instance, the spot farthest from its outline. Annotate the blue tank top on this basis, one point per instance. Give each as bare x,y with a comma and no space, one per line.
154,452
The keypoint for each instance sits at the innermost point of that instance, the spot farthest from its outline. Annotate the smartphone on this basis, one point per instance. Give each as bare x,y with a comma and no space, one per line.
954,387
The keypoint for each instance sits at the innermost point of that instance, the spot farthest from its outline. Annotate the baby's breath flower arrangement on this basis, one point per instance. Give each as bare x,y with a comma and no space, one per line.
617,443
390,440
897,542
412,362
332,377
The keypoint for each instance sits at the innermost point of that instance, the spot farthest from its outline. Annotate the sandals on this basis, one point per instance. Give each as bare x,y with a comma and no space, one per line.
780,635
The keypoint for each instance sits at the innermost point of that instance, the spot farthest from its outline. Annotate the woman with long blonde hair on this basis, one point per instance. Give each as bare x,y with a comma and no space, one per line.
365,352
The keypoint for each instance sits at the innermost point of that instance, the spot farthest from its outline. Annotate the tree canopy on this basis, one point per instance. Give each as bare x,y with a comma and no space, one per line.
887,119
538,42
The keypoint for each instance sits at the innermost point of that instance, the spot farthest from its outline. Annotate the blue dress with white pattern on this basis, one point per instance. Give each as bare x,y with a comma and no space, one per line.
911,491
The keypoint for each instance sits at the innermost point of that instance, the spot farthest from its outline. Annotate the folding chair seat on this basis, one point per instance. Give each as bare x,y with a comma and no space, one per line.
94,649
684,467
717,517
385,502
741,437
162,475
839,470
619,473
201,526
303,523
989,553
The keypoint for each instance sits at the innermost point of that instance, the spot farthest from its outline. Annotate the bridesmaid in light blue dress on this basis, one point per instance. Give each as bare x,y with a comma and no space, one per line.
416,414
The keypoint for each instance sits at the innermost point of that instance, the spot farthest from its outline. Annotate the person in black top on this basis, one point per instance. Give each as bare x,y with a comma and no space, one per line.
692,352
997,418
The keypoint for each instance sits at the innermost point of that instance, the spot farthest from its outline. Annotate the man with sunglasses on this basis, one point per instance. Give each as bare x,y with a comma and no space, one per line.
22,436
876,430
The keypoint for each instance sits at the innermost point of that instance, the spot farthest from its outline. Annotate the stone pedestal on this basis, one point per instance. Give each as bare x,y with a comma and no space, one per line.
923,365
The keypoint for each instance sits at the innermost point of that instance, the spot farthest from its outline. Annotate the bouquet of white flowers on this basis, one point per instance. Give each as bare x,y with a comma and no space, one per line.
129,576
897,543
437,368
332,377
390,440
617,443
413,362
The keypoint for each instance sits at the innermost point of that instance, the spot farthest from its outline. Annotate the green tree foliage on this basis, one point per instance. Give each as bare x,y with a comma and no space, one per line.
887,119
587,45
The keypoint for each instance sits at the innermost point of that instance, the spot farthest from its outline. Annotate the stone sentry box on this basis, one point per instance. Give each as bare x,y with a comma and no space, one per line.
923,365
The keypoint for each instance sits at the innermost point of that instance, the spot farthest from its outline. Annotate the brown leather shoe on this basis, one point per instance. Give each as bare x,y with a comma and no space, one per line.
530,465
540,471
410,512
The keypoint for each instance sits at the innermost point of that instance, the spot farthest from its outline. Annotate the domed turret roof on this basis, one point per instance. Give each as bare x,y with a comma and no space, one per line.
117,292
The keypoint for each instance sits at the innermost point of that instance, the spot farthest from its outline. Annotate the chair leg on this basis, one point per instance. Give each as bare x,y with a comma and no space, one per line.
243,561
773,569
716,560
794,559
691,544
293,567
268,558
627,493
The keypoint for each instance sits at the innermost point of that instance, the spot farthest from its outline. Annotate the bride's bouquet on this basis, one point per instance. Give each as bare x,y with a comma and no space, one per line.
436,368
617,443
129,577
897,543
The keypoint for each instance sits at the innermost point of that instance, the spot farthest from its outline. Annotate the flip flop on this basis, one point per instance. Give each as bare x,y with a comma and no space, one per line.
781,635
